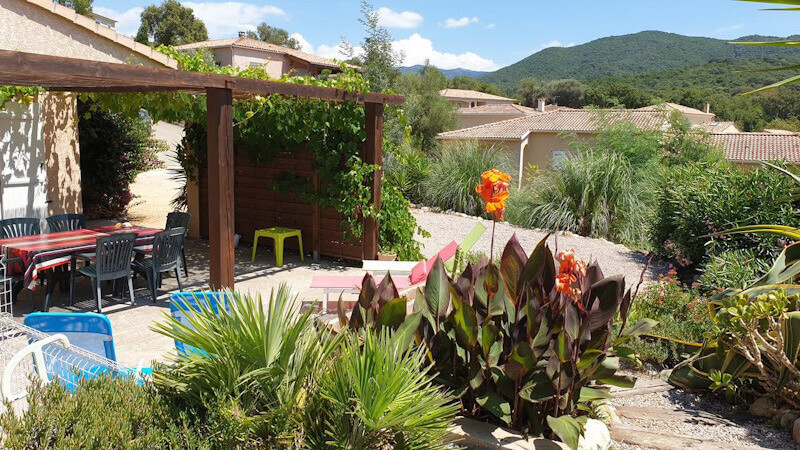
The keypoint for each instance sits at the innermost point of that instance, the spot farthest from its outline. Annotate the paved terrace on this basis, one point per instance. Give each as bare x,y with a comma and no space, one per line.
131,324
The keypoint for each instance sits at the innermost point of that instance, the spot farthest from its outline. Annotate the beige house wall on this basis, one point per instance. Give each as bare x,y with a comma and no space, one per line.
30,28
275,64
473,120
62,153
539,148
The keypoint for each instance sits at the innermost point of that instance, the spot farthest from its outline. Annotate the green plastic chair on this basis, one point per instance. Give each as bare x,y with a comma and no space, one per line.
278,235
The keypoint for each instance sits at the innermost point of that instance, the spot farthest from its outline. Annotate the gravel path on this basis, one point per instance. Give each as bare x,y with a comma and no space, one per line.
719,422
614,258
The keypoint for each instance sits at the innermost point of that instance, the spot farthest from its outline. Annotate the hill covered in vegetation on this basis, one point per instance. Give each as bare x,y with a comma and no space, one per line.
646,52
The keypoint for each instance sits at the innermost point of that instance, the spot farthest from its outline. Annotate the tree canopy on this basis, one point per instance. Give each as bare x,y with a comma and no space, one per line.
170,24
379,61
273,35
83,7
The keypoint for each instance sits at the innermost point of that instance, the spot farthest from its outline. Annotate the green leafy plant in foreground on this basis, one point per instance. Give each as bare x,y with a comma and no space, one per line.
376,396
265,362
523,345
109,412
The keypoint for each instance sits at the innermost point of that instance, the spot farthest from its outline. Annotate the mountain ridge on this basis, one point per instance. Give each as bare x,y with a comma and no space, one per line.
630,55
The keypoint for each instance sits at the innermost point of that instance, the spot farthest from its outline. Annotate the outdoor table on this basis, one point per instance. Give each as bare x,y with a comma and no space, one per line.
41,252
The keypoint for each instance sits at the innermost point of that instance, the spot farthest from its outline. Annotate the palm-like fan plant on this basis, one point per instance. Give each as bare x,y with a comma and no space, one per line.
792,5
263,359
375,396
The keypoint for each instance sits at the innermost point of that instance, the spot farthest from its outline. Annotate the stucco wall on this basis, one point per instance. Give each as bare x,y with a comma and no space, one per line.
62,154
275,64
30,28
472,120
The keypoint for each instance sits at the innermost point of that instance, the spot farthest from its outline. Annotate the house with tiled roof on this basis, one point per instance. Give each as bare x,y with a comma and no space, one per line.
40,171
540,139
498,112
243,52
695,116
465,98
748,149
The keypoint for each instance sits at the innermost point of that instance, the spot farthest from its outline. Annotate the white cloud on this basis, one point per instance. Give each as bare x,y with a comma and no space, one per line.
127,22
490,26
416,49
304,44
225,19
458,23
728,29
392,19
556,44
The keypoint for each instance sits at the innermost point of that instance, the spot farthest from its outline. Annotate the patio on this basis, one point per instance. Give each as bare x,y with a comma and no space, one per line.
133,338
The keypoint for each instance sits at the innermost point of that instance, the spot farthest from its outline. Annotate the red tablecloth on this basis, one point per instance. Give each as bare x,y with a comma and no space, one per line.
48,250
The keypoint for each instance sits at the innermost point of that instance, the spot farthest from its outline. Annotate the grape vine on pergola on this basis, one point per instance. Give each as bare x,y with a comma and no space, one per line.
78,75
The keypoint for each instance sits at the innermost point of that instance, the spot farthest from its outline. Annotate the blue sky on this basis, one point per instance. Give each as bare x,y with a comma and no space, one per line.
479,35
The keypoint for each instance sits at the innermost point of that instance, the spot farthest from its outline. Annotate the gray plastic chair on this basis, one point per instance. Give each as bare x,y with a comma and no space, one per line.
66,222
24,226
165,257
12,228
177,219
112,261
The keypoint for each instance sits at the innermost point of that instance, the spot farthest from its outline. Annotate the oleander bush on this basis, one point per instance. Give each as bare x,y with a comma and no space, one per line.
455,170
697,200
114,149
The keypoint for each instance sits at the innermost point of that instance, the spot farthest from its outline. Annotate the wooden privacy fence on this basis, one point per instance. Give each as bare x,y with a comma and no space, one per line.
257,206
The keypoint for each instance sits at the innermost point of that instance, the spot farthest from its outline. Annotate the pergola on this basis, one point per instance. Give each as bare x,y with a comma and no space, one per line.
77,75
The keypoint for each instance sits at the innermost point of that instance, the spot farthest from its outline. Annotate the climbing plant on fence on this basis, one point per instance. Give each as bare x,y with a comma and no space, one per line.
270,125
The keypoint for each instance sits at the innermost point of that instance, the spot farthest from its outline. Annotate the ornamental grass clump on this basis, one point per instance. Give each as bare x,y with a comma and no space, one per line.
451,181
526,344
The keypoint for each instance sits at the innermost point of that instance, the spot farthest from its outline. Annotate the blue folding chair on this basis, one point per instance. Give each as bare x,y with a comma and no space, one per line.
89,331
183,304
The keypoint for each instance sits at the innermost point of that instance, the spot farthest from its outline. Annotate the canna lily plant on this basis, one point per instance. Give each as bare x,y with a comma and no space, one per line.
527,344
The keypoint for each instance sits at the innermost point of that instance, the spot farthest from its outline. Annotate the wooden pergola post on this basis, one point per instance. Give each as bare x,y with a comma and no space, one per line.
373,154
219,117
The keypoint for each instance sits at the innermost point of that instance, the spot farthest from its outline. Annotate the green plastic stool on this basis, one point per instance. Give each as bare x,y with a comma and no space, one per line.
278,234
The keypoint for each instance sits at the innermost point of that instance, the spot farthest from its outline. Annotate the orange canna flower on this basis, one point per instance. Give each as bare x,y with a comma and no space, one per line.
569,269
494,192
564,283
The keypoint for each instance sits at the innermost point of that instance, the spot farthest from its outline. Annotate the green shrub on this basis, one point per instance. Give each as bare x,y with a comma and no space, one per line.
593,194
376,396
456,170
265,361
735,269
406,168
398,226
114,150
683,318
109,413
696,200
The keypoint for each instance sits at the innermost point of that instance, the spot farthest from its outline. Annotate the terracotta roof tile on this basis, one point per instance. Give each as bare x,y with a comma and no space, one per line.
245,42
675,107
561,120
498,108
754,147
476,95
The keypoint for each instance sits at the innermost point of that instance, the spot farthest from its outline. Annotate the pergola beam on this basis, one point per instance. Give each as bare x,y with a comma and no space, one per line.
79,75
70,74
